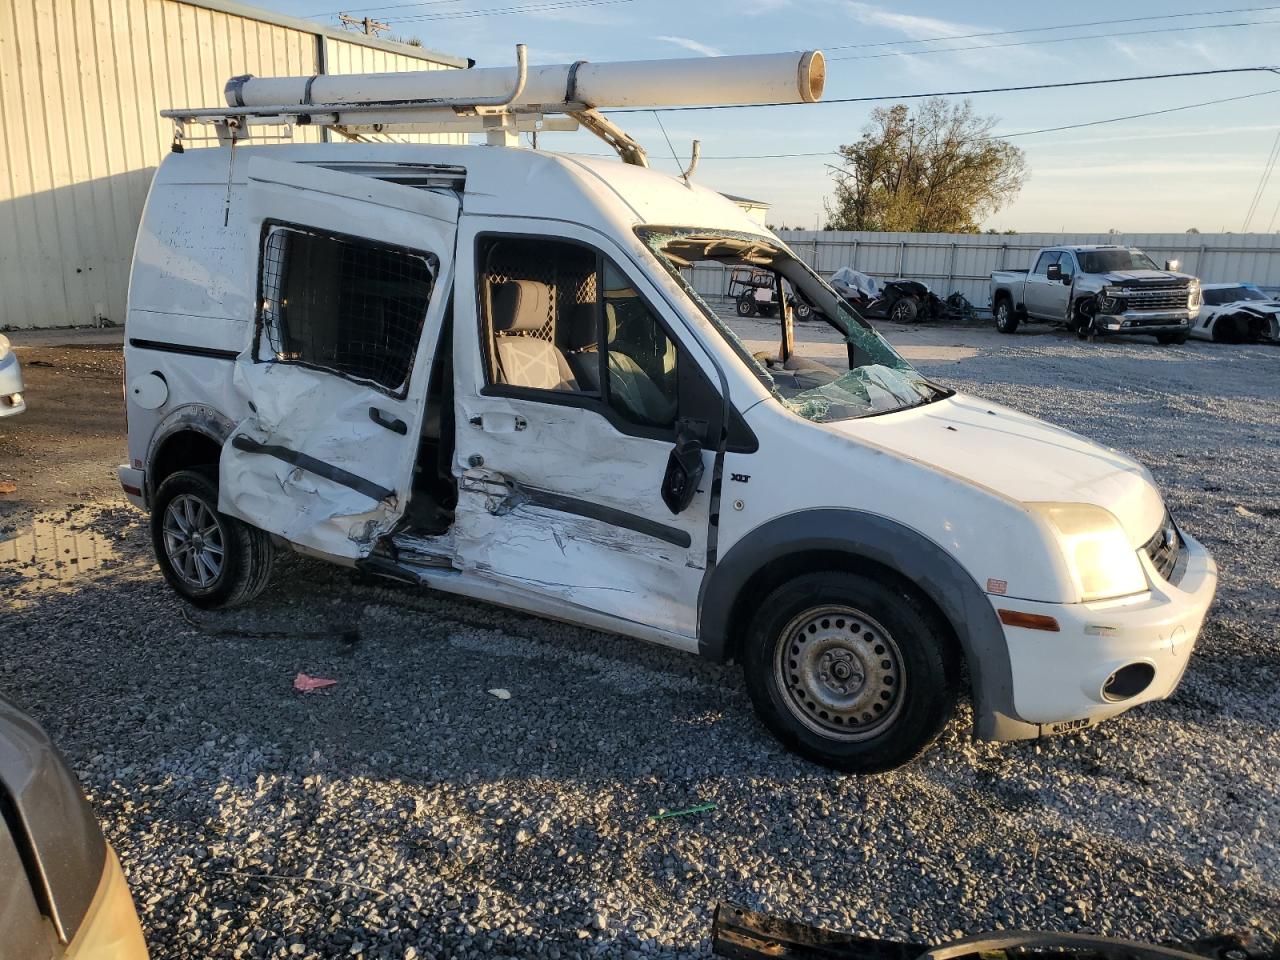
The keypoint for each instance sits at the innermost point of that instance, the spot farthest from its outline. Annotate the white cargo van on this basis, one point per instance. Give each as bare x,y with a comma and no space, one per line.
485,370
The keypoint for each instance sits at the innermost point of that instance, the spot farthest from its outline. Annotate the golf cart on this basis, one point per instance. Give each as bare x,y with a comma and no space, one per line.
755,293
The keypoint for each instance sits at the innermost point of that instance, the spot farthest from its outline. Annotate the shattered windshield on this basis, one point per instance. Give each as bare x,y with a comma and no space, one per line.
874,379
1107,261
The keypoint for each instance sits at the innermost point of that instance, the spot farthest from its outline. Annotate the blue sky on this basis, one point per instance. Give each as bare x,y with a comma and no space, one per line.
1192,168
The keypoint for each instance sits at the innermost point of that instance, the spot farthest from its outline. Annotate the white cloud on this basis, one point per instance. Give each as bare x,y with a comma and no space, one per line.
753,8
913,26
705,49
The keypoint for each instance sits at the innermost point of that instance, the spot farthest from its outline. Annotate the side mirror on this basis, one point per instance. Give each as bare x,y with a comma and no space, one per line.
1055,272
684,468
1172,265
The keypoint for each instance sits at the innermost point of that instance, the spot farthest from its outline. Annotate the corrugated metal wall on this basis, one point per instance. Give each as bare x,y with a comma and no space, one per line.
964,261
82,83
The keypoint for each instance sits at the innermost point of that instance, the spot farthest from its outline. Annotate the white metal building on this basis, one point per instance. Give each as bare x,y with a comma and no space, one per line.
82,83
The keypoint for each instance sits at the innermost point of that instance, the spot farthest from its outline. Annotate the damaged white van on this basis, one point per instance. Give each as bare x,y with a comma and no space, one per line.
486,370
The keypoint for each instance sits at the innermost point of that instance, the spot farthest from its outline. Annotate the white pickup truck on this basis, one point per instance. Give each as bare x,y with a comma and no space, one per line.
1096,290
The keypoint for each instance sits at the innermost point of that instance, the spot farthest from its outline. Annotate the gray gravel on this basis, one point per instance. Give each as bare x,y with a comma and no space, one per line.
406,812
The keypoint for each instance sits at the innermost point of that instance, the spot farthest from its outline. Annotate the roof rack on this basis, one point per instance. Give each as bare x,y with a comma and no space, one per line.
500,102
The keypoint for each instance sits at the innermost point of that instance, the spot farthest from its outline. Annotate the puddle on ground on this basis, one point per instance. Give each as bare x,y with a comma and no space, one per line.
52,550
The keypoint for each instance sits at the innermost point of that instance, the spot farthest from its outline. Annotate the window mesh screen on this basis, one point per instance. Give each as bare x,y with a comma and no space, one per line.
569,270
343,304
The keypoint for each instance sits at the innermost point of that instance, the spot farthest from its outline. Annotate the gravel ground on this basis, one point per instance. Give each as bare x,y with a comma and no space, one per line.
406,812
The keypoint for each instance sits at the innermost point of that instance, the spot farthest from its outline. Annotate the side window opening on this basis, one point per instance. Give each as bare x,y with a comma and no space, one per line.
1046,258
549,306
643,360
534,295
1067,264
347,305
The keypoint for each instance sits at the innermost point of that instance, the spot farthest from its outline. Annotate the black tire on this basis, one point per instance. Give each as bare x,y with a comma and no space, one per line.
1232,329
861,619
746,306
1169,339
1082,319
904,311
802,310
1006,317
247,553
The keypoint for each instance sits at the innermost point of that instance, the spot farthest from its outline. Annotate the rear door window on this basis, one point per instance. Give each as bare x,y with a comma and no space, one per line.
347,305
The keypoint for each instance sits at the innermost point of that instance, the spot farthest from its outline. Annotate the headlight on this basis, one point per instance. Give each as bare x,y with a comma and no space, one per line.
1101,560
4,346
1193,296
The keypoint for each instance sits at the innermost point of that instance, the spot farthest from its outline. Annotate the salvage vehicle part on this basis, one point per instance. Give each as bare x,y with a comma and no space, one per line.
486,370
1237,313
851,670
210,558
62,892
742,934
12,393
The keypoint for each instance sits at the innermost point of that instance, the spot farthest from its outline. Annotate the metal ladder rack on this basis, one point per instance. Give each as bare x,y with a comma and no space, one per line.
499,117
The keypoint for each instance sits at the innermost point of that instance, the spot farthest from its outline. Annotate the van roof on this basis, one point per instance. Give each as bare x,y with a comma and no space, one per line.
505,181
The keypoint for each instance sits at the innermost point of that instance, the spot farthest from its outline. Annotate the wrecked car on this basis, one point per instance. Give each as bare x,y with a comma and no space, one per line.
485,370
1095,290
1237,313
62,892
12,401
902,301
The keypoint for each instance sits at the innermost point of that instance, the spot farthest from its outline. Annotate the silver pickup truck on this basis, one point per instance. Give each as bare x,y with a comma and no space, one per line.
1095,290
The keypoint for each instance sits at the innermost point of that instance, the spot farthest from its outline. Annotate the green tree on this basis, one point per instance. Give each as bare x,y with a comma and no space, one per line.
937,170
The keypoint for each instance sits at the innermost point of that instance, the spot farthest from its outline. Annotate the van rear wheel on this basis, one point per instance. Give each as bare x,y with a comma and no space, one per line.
210,559
850,672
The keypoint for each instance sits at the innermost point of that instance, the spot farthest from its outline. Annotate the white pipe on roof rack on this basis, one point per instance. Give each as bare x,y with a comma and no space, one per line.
758,78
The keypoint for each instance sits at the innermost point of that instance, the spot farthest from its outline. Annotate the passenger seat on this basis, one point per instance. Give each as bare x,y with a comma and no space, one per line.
520,309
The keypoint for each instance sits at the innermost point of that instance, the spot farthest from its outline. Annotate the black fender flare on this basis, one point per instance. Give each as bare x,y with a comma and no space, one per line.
858,535
191,418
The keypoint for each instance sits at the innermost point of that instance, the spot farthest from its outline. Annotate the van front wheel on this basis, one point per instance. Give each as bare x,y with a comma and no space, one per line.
850,672
210,559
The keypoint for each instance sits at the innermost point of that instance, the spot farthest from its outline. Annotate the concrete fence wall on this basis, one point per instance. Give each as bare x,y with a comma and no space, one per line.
962,261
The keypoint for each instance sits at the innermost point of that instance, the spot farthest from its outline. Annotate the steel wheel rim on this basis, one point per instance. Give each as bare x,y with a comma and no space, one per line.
840,672
193,541
1002,316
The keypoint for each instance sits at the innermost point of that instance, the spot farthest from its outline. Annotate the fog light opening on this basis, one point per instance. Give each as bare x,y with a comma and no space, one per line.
1128,681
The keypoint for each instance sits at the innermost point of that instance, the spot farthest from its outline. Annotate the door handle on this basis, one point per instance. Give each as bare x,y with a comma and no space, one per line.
384,419
499,423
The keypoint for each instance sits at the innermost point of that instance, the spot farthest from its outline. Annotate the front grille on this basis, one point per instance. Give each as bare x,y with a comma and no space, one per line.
1165,547
1156,298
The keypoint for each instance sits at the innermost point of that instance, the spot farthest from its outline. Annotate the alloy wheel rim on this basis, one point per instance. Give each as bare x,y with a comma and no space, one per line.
193,540
840,672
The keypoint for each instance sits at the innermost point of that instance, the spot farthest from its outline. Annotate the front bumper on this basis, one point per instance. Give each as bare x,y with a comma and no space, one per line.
12,396
110,930
1058,678
1145,321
